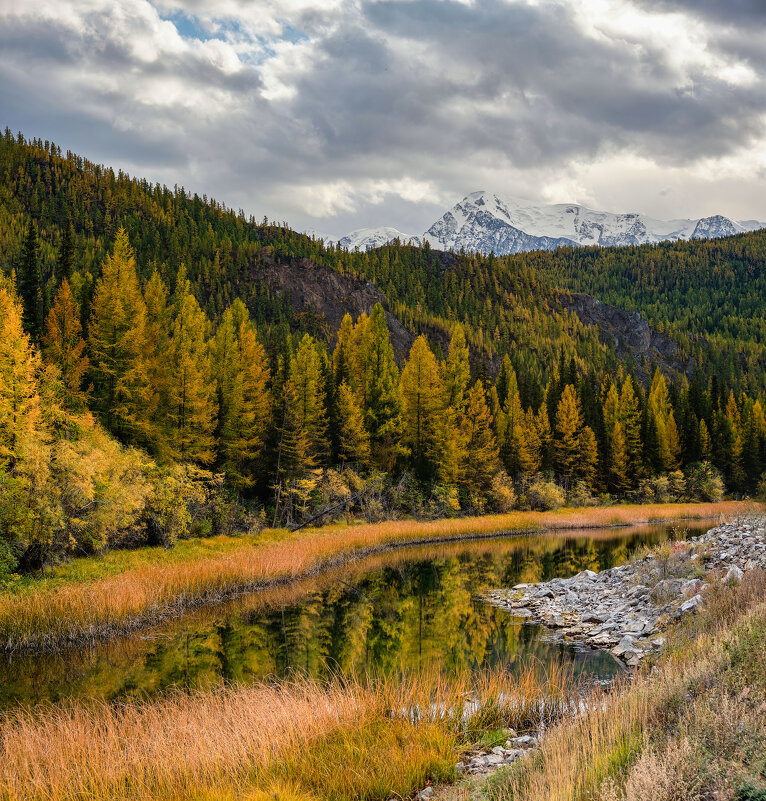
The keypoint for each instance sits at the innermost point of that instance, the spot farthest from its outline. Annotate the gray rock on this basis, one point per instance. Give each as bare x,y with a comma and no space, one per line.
691,604
734,574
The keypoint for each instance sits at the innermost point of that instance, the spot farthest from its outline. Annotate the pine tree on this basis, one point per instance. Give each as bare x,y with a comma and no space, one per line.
120,348
65,347
307,380
193,406
482,456
353,438
569,423
244,434
422,404
67,255
30,283
19,396
376,367
630,418
706,451
457,369
617,473
587,457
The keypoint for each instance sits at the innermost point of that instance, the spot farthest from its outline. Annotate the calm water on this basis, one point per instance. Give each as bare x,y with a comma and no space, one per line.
411,608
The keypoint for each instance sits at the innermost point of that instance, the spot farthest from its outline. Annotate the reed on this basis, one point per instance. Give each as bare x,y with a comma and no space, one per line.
343,739
77,611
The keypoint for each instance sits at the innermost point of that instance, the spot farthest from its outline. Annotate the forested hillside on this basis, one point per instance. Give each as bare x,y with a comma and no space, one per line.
164,369
707,294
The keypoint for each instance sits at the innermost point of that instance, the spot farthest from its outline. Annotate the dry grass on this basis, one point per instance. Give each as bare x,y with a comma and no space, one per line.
338,740
84,610
633,743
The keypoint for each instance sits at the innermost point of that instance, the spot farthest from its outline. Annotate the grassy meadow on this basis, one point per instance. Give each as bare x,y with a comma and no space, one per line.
301,740
105,595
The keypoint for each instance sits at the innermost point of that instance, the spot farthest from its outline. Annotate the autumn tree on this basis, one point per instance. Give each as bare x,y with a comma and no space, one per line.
569,422
422,394
193,406
65,347
481,452
120,348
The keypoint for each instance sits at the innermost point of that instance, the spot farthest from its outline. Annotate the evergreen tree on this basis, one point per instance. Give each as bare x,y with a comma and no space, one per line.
193,406
422,404
482,456
569,422
457,370
588,456
30,283
65,347
120,348
630,418
67,255
353,438
307,381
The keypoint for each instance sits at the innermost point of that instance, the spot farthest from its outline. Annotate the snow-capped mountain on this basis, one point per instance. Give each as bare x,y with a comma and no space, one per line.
369,238
486,222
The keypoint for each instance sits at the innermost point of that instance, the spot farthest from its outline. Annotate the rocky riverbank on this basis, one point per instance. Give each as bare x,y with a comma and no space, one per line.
625,609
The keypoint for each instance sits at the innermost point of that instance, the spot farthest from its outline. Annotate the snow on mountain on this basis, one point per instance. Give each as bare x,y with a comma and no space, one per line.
369,238
485,222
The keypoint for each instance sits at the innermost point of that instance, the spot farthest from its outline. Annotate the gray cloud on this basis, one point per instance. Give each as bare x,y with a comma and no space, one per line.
384,111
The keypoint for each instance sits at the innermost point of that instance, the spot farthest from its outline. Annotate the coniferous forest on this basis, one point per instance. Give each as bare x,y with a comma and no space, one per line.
154,385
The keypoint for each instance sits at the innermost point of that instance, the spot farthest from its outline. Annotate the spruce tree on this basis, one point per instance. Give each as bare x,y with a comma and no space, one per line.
353,438
30,283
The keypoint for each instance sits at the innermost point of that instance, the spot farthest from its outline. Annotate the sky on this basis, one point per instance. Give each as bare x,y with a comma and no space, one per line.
340,114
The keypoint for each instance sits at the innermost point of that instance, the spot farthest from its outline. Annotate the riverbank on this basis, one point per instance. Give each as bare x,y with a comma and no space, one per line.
690,727
626,608
654,734
91,599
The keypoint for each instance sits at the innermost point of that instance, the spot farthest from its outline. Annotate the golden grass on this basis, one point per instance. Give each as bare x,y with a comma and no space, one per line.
84,610
336,740
594,751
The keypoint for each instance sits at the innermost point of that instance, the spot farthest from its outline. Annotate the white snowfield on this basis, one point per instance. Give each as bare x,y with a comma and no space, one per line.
485,222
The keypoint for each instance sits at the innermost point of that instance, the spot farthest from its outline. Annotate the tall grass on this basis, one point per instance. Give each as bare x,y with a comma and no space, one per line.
84,610
340,740
583,755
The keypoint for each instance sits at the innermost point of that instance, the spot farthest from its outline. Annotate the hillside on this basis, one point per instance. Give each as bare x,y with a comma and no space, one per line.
218,370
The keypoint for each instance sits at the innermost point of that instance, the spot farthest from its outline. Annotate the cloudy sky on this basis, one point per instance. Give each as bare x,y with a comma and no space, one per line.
338,114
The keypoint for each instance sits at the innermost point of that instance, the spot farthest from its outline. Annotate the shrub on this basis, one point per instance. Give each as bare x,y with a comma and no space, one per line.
545,496
502,492
703,483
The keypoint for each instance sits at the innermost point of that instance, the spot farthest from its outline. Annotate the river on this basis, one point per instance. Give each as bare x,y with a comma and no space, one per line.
410,608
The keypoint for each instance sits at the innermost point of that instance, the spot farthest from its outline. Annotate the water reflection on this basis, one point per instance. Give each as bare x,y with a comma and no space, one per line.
407,609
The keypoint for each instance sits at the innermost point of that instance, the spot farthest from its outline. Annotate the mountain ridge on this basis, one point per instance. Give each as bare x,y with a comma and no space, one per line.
485,222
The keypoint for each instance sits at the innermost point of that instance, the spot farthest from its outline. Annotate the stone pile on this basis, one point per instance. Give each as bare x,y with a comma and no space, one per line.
625,608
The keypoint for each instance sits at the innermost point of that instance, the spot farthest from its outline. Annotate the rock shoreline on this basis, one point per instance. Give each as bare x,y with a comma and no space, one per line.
625,609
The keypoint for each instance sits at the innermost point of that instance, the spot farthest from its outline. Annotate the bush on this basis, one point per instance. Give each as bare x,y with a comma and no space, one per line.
545,496
581,495
703,483
502,492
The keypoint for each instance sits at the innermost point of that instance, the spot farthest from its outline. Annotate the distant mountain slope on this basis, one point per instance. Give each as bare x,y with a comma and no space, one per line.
484,222
369,238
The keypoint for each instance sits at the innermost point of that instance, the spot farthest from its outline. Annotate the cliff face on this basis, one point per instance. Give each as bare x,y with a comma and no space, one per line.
330,295
629,332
